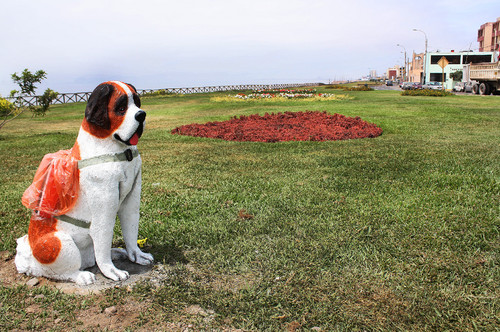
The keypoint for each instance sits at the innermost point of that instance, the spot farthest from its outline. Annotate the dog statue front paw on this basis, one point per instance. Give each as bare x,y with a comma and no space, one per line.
113,273
84,278
139,257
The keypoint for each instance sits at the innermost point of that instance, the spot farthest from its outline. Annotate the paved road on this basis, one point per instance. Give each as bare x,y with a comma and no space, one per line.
396,87
385,87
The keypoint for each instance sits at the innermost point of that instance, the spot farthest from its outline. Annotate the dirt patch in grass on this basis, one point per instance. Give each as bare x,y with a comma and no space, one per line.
8,273
100,313
377,304
115,318
107,305
288,126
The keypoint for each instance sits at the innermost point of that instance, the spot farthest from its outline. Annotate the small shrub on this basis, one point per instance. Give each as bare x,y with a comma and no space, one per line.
6,107
334,86
44,101
157,93
364,87
426,93
358,88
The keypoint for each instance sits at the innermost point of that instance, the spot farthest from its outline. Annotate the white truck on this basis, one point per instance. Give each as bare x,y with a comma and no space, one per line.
485,77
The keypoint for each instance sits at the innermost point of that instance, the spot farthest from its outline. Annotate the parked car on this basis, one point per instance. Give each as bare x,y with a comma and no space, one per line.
468,86
416,85
388,83
407,86
459,87
433,86
463,87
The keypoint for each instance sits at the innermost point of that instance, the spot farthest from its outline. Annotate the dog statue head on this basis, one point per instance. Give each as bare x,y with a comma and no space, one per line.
113,111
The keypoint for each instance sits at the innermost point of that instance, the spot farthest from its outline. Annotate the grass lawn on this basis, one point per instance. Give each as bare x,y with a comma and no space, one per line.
399,232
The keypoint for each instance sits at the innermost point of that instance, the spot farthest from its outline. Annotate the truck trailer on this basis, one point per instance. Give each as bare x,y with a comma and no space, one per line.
485,77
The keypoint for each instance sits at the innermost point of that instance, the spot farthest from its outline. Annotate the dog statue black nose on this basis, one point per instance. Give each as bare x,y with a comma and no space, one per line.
140,116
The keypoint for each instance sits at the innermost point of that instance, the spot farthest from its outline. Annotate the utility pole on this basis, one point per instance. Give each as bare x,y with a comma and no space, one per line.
425,56
405,76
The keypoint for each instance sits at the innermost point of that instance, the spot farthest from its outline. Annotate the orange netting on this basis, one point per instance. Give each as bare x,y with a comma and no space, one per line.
55,187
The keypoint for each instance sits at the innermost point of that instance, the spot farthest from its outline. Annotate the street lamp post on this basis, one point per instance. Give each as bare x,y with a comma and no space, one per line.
405,76
425,56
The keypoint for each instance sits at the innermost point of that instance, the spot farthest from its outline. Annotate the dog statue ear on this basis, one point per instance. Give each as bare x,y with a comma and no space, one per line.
97,106
137,99
133,87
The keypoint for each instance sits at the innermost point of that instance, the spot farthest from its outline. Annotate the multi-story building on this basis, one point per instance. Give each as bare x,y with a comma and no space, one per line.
456,61
394,73
488,36
416,70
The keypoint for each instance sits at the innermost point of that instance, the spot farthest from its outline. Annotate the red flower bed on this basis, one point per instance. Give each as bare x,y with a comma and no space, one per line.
288,126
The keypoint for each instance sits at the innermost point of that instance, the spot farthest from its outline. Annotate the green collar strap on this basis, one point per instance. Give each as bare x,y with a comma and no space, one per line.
127,155
73,221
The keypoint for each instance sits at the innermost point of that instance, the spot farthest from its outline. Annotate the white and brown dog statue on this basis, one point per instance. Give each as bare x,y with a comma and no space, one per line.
77,194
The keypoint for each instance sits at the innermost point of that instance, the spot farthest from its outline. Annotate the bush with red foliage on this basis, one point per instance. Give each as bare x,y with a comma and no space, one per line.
288,126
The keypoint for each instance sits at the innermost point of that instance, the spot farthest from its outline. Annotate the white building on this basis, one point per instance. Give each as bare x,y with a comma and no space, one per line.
456,60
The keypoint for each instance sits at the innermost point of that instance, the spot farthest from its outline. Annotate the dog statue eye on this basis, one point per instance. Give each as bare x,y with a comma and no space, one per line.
121,110
121,105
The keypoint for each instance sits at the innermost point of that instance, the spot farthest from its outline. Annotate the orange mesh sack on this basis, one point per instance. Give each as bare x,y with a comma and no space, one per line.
55,187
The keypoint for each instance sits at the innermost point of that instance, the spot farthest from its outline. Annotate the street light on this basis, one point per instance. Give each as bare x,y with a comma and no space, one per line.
405,76
425,56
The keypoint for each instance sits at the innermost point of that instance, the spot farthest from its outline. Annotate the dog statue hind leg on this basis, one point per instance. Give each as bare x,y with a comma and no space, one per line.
47,252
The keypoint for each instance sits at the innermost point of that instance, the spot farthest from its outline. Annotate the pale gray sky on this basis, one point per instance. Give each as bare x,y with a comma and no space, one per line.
160,44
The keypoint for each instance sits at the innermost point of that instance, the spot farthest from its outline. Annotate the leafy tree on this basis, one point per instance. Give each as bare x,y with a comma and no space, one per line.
457,75
27,82
44,101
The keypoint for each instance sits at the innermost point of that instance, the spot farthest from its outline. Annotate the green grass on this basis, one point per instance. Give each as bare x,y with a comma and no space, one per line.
400,232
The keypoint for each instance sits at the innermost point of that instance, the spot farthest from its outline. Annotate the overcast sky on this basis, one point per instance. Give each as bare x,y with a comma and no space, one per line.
185,43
